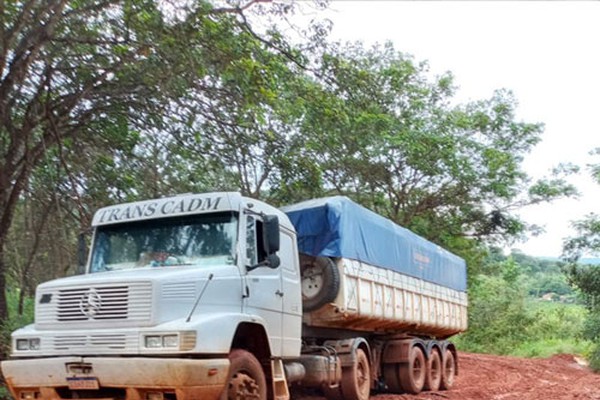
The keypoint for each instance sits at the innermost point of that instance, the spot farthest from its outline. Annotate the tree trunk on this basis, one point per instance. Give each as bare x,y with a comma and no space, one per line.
6,214
26,283
9,194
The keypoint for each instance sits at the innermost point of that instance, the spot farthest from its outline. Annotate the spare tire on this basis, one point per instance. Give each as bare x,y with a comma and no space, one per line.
320,282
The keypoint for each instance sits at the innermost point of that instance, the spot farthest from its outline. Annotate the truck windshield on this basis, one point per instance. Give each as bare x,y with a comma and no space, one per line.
206,239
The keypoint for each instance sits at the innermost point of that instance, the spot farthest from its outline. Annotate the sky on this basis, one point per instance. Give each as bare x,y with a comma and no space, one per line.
546,53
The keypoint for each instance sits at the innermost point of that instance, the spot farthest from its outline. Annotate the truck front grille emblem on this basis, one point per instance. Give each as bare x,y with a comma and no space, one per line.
90,303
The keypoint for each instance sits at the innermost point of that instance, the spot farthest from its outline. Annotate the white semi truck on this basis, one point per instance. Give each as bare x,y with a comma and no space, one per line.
219,296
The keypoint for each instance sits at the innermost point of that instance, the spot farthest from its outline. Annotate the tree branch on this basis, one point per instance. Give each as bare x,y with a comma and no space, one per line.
237,10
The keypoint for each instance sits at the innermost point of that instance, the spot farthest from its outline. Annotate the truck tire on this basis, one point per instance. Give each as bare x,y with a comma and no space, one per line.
448,370
433,377
320,282
356,380
412,374
246,379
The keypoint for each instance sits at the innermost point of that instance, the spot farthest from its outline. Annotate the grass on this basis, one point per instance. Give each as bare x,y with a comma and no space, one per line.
548,347
538,329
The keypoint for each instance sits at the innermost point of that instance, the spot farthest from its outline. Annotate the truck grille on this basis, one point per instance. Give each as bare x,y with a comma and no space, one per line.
93,343
102,303
122,304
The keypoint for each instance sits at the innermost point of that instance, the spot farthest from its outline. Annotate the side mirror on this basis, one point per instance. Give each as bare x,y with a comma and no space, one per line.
271,234
273,261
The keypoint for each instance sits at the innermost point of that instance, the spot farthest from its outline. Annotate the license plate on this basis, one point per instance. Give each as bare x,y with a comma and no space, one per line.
83,383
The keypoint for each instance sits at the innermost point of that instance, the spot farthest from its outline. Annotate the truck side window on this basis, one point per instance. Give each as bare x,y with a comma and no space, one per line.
254,241
251,240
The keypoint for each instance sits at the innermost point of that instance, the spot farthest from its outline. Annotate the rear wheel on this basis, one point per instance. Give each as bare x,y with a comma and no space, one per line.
246,379
433,378
356,380
448,370
412,374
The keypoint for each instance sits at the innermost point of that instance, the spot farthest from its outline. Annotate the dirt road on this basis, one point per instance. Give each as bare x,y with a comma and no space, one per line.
485,377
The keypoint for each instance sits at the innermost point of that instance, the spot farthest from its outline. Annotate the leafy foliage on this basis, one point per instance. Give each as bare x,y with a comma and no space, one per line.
385,134
498,314
587,279
544,276
587,239
505,319
16,321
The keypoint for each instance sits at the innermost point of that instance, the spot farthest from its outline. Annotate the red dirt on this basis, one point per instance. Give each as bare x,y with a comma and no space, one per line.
509,378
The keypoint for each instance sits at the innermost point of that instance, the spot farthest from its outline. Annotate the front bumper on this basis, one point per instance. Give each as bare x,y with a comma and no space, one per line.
126,378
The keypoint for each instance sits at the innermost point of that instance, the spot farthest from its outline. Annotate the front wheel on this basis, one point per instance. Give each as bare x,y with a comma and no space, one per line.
246,379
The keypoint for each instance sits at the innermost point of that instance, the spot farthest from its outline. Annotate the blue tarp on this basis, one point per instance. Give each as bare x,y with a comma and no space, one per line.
338,227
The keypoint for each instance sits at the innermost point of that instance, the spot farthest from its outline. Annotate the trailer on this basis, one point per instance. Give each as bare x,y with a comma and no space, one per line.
219,296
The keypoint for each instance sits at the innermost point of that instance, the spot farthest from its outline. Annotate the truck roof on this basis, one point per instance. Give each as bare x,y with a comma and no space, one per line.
338,227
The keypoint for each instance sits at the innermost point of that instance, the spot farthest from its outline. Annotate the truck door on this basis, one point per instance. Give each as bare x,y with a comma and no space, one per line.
263,292
292,297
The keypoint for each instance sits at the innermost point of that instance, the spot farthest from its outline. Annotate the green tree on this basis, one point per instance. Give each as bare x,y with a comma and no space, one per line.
587,238
386,134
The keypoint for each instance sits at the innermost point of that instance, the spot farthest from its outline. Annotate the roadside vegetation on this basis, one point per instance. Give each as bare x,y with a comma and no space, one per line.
16,320
524,306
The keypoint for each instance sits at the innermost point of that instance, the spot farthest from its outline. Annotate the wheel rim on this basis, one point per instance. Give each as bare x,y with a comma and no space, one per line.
243,387
312,281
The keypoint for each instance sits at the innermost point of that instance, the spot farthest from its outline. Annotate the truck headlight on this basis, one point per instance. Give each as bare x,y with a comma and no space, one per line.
28,344
153,342
34,344
22,344
182,341
170,341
